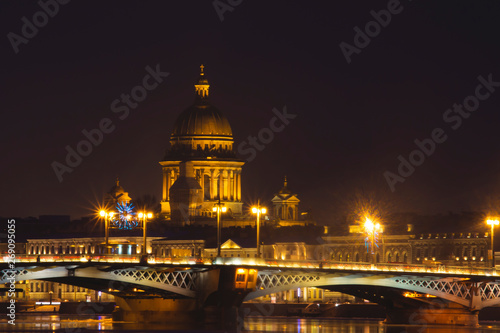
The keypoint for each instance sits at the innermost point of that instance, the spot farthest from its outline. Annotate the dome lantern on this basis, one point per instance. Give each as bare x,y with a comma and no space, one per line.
202,86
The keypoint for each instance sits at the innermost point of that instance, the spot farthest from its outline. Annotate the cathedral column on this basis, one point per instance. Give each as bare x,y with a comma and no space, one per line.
231,185
212,184
235,196
202,183
167,183
220,189
164,192
224,184
239,186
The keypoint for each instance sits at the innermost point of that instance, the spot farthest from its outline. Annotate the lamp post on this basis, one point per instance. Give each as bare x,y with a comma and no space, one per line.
370,229
144,216
50,297
105,214
219,208
258,210
492,223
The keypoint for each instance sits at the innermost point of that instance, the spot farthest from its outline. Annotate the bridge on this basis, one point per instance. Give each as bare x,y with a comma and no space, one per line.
197,283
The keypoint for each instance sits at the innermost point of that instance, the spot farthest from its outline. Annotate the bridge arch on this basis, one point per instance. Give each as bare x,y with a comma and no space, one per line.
460,292
167,281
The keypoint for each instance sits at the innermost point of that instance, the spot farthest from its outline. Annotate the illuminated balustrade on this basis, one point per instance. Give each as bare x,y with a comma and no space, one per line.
293,264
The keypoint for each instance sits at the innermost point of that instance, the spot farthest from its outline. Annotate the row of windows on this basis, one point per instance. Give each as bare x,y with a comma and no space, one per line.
45,286
52,250
367,257
311,293
232,255
437,252
225,147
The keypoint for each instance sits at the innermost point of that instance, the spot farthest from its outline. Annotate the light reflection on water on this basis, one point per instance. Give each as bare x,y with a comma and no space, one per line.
56,323
321,325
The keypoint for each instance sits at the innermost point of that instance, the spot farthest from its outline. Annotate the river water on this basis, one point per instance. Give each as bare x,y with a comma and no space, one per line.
75,324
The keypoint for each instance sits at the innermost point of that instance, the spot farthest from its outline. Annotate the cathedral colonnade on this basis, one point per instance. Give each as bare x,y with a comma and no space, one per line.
225,180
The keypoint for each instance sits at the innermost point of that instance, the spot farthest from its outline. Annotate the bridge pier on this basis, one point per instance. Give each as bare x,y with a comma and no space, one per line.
157,310
215,306
432,316
176,312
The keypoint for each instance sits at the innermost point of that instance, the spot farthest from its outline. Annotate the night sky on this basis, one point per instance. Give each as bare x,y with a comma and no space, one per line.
352,120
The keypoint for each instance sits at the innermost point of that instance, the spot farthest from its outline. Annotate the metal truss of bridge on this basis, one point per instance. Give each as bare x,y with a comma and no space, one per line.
473,289
180,282
474,295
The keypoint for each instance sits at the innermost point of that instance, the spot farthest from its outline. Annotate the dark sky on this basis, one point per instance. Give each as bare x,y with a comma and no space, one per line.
353,119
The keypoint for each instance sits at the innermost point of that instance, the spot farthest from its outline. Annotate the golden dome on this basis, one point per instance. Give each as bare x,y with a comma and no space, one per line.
201,130
201,120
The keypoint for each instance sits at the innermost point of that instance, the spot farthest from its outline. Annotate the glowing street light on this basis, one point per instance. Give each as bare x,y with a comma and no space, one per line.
492,223
371,228
106,215
219,208
258,210
144,216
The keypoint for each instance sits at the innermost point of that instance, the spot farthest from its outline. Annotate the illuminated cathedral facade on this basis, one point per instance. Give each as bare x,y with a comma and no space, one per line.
200,167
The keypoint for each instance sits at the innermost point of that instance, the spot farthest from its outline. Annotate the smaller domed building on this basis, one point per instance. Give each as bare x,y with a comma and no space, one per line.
286,208
116,195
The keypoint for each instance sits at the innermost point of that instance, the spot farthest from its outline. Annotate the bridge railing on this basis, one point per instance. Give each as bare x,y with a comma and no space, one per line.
262,262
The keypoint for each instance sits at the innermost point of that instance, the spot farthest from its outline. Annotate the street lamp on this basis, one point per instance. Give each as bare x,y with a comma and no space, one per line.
144,216
219,208
258,210
371,228
492,223
105,214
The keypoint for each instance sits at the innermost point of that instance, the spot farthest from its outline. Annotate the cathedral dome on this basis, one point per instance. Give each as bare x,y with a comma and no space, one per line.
201,119
201,131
